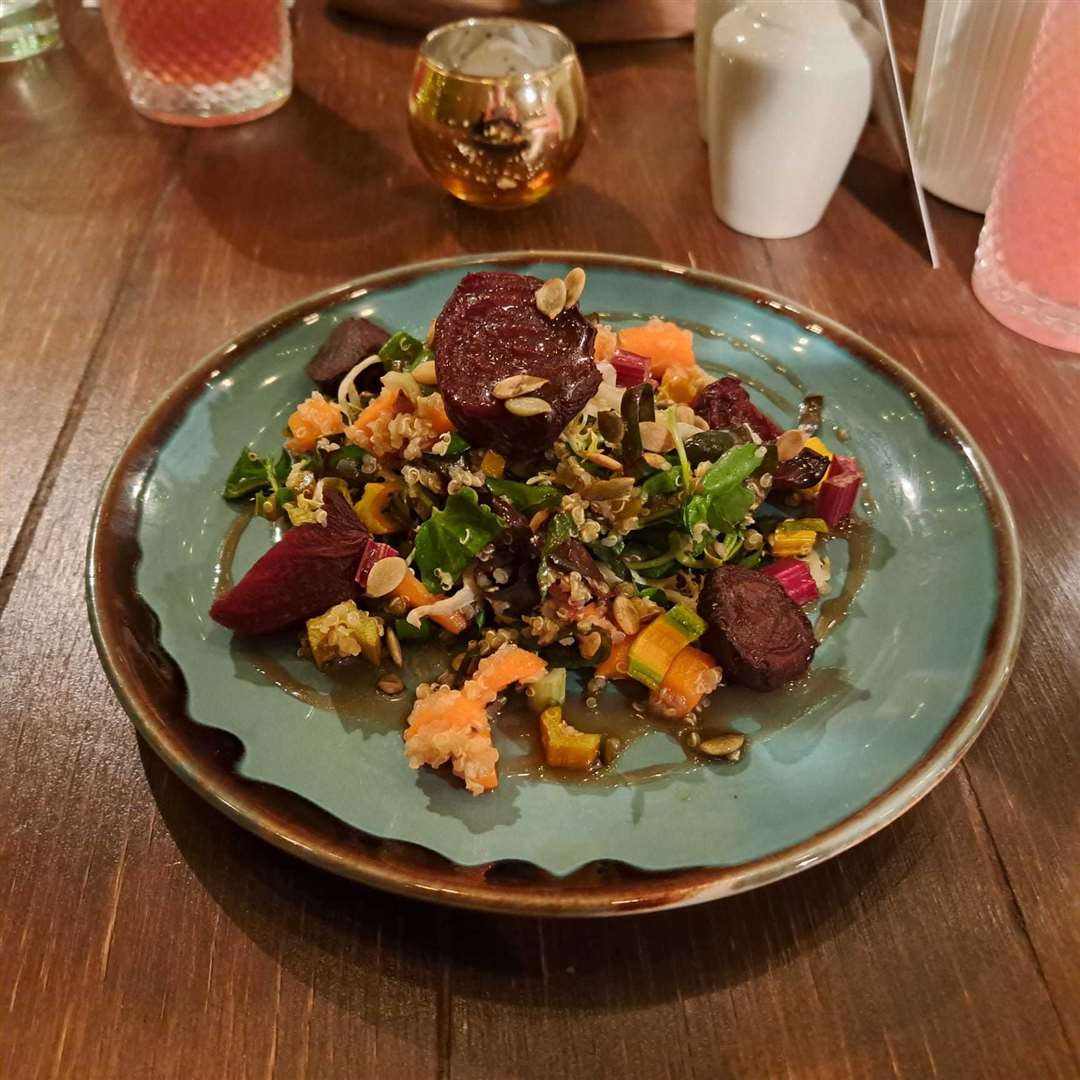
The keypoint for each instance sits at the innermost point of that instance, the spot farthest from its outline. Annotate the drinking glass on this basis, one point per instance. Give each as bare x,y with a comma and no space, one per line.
202,62
27,27
1027,266
497,109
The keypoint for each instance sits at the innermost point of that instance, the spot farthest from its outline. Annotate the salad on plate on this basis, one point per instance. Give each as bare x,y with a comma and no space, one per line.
561,504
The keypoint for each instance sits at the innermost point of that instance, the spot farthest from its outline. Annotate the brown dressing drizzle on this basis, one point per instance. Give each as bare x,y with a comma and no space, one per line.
859,537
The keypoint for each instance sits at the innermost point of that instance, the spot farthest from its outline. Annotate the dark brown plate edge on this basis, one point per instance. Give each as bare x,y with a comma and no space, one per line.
139,671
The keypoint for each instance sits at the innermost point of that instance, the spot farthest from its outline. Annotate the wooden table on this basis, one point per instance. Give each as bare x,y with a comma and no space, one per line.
142,935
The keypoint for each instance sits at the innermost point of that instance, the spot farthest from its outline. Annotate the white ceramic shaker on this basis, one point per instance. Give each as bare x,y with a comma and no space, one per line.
706,12
790,84
973,56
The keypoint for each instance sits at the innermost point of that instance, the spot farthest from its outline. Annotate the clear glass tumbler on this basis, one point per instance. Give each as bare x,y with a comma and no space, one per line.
497,109
202,62
27,28
1027,266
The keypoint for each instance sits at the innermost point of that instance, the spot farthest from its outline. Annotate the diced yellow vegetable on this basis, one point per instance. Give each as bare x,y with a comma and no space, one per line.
792,542
564,746
660,642
493,464
683,384
815,444
342,632
371,509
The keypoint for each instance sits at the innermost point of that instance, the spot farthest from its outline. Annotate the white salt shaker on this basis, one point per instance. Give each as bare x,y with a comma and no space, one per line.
790,84
706,12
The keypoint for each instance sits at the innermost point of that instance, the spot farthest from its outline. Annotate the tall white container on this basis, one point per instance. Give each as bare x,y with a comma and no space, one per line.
706,12
789,92
973,56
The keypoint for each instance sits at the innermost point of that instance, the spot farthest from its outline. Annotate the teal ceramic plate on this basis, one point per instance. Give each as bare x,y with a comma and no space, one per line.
897,693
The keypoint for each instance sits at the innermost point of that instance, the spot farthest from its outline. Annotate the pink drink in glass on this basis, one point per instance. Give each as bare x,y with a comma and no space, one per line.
202,62
1027,266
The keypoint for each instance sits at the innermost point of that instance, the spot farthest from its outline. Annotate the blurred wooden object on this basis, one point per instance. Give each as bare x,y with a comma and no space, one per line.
586,21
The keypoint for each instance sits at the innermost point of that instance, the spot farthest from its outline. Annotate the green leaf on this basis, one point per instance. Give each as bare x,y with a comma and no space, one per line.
662,483
252,473
724,499
453,536
733,467
403,352
407,632
560,528
457,445
526,497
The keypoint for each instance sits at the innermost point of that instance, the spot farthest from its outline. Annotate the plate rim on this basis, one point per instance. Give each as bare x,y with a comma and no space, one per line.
604,887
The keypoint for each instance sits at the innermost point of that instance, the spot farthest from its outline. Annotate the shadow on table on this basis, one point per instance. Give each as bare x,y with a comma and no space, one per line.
325,930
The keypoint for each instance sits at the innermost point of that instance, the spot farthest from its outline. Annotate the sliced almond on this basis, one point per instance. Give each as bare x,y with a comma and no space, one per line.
656,461
656,437
517,385
551,297
604,461
527,406
424,373
626,615
791,443
575,286
386,575
723,745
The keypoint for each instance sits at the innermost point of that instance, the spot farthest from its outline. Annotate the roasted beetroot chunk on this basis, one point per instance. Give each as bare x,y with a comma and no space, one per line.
491,329
760,636
309,570
350,342
804,470
726,405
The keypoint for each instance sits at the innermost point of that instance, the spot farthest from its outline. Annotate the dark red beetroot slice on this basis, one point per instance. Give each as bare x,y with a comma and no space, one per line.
760,636
726,405
349,343
309,570
491,329
804,470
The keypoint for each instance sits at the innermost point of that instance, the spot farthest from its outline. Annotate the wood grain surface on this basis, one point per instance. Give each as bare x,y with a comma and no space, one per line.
143,935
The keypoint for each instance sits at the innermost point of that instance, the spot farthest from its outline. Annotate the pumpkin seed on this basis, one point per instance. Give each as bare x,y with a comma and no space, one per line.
386,575
527,406
575,285
517,385
611,426
723,745
424,373
608,490
390,684
551,297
